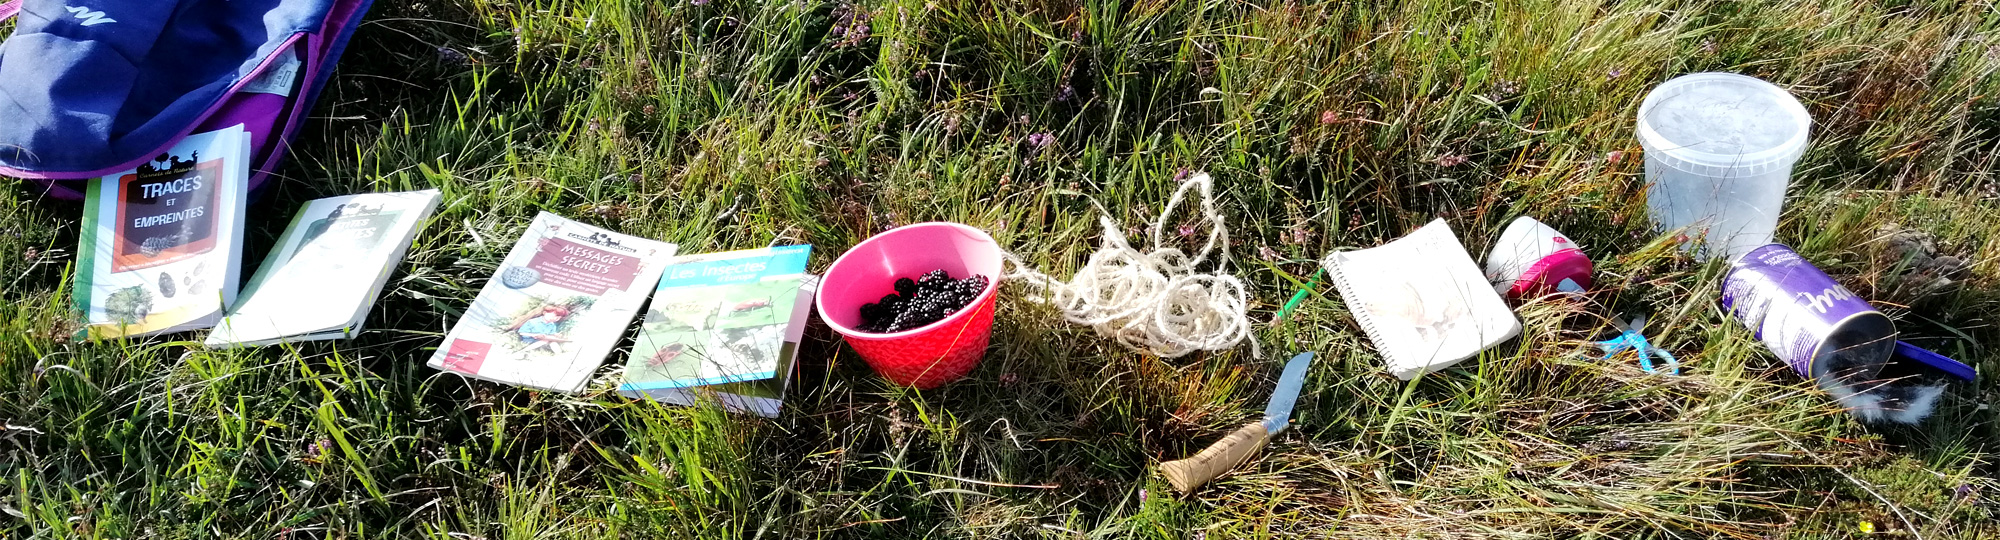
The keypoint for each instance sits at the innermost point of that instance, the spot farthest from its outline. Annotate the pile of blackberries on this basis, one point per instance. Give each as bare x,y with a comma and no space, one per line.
919,302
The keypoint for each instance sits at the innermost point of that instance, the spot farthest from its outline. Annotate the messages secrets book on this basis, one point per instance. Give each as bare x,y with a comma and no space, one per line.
557,305
1422,301
322,278
162,243
726,327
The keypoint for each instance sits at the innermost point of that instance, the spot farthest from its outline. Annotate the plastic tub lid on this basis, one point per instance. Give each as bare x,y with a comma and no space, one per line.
1723,124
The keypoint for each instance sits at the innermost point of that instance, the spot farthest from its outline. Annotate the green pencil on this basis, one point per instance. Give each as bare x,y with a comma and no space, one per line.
1286,310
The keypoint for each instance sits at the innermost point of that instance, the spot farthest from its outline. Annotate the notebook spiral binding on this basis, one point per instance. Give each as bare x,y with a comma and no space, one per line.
1362,315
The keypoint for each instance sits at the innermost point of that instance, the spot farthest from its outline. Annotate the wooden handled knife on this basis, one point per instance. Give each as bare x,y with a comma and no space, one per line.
1189,474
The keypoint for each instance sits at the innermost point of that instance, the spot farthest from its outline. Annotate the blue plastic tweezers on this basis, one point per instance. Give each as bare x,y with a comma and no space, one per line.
1630,337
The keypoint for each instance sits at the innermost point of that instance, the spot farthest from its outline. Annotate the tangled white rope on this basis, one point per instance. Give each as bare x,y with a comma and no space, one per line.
1154,301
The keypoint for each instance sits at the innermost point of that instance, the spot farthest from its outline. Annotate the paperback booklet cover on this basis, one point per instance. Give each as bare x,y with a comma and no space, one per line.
724,326
322,278
1422,301
162,243
560,300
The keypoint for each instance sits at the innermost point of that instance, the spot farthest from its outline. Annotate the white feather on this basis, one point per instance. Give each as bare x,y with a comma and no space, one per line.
1878,401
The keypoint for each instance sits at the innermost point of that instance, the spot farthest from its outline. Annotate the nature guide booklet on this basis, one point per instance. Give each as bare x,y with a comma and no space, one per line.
322,278
1422,300
162,243
724,327
557,305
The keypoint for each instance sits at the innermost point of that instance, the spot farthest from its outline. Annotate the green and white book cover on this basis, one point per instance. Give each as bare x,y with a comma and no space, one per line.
162,243
323,276
724,327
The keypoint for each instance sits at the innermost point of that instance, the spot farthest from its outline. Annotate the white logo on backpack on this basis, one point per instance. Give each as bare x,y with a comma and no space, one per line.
90,18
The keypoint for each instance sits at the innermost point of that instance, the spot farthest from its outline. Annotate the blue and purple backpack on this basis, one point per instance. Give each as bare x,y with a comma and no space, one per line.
95,87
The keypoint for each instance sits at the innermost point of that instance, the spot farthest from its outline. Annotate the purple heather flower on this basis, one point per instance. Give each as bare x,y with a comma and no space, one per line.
850,26
1041,141
1186,230
1065,92
1301,234
857,32
1614,73
698,2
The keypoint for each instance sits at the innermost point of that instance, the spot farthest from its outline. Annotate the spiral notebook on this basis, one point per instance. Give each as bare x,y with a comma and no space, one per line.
1422,301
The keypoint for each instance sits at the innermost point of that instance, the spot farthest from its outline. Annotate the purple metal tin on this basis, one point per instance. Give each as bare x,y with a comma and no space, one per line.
1805,317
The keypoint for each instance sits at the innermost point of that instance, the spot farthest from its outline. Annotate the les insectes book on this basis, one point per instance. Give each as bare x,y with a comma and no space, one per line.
724,327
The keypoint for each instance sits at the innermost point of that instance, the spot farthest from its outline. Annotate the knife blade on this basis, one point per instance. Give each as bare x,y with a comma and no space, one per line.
1278,414
1189,474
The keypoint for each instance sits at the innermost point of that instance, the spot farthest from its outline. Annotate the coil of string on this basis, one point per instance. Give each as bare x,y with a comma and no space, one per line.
1156,301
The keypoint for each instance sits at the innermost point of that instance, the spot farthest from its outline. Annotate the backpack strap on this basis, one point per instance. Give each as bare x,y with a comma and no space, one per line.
8,9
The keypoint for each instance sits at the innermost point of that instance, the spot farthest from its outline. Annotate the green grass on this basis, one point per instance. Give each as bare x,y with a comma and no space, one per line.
1327,125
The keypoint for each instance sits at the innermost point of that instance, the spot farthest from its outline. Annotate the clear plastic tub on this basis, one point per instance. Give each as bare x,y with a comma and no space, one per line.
1719,154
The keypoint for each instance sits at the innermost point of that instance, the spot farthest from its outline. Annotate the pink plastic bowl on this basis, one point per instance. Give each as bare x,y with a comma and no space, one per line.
921,357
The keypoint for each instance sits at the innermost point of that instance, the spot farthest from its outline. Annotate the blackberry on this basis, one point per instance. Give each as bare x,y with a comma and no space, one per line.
935,279
917,303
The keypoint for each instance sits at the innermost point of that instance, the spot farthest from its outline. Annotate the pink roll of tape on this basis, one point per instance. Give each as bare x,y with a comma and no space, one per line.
1532,259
